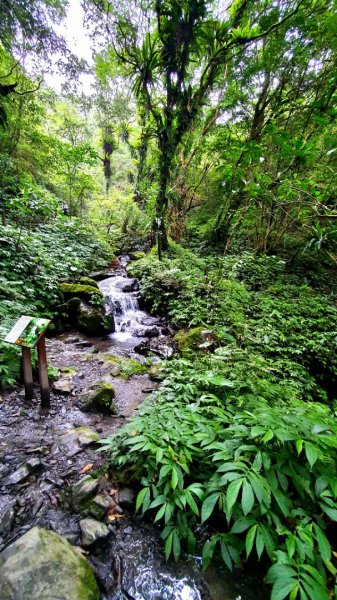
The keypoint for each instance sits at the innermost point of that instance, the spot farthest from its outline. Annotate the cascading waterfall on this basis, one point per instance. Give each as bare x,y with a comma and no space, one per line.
123,305
130,321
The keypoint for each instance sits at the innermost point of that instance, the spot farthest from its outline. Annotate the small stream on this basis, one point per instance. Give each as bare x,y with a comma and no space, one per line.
130,563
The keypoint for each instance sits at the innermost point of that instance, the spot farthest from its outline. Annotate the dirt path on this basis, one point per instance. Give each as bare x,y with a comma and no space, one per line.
29,438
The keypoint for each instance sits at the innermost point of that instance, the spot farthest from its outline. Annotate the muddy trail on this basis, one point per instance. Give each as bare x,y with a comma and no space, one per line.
50,466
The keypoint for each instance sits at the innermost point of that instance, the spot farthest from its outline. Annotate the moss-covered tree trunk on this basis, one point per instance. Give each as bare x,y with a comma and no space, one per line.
165,160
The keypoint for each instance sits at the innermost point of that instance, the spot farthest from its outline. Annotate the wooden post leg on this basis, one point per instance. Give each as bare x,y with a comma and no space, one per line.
27,373
43,372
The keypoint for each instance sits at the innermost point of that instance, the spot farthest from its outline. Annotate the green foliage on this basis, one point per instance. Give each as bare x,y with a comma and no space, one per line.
265,474
254,303
244,438
32,264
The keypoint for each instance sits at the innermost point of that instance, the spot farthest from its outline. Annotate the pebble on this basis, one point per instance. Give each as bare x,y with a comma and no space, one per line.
128,530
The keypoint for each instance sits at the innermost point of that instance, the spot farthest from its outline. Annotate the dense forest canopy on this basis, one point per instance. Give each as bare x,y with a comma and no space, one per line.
208,141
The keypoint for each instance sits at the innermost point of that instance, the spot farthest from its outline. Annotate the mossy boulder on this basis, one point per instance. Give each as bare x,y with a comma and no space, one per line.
189,340
78,290
42,564
79,496
194,340
92,321
73,306
89,281
99,398
137,255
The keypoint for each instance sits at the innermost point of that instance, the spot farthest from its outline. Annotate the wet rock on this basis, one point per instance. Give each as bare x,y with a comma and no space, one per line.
149,321
21,474
33,463
75,440
7,515
129,285
72,339
128,530
83,344
82,491
166,330
38,503
163,350
100,506
97,275
92,531
143,348
149,332
41,564
99,397
92,321
64,385
126,497
57,482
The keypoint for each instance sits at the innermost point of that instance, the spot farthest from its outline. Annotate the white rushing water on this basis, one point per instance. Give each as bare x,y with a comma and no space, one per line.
130,321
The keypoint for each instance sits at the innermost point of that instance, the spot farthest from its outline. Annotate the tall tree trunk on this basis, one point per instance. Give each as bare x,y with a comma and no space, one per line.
142,154
162,202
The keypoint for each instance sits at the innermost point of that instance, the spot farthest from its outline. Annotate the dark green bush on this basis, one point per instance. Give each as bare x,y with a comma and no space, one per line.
32,263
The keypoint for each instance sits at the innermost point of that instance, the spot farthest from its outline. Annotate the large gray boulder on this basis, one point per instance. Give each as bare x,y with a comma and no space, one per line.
43,565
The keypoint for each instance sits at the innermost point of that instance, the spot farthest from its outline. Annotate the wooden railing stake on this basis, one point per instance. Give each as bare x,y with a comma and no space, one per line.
43,372
27,372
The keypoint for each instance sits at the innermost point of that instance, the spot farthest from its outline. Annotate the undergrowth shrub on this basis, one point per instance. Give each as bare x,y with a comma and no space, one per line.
251,460
242,441
32,263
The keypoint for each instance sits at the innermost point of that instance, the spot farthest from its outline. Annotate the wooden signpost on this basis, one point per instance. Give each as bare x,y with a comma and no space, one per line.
29,332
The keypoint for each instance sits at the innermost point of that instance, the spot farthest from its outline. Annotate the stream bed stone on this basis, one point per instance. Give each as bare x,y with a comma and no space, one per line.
99,397
83,491
41,565
92,531
75,440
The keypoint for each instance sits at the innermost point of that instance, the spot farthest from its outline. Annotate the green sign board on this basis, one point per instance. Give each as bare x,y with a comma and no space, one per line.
27,331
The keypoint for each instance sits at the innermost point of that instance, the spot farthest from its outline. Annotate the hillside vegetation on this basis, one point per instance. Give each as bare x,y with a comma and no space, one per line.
207,149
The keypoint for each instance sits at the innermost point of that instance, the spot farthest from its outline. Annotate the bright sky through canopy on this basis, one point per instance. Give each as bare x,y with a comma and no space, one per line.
78,42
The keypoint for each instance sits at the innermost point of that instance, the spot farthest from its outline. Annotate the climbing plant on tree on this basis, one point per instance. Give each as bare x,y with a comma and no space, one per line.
176,55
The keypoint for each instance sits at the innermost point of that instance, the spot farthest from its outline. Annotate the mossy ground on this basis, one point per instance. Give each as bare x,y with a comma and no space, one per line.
125,367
